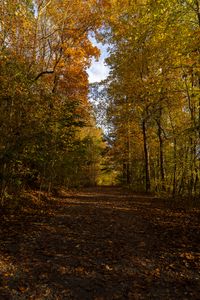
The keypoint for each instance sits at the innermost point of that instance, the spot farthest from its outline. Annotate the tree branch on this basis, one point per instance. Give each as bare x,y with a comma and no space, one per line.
43,73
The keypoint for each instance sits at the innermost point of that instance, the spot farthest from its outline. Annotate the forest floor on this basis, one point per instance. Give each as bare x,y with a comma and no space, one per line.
100,244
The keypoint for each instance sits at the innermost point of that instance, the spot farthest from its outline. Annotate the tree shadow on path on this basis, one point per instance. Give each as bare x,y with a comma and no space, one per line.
101,244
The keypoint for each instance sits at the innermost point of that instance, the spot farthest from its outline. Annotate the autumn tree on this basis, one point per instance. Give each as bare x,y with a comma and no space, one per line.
153,92
44,54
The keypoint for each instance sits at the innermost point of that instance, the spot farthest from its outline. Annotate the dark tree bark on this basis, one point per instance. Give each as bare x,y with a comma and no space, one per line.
161,150
146,157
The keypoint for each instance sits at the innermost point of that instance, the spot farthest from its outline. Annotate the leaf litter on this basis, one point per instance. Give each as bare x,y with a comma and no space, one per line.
100,243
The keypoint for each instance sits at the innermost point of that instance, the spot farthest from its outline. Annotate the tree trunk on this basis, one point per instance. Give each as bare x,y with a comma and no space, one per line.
174,172
161,151
146,157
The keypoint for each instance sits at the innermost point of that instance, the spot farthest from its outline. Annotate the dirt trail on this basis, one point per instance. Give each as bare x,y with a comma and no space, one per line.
102,243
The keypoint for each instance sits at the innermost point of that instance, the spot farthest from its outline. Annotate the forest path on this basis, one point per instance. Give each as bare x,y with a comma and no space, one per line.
101,243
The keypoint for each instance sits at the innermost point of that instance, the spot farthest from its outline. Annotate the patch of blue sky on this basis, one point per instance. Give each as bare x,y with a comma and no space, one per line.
98,70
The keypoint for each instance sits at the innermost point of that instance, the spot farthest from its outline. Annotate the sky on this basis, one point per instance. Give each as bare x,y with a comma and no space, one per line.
98,70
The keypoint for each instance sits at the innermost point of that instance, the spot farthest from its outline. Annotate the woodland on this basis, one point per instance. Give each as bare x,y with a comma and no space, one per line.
90,168
152,95
50,135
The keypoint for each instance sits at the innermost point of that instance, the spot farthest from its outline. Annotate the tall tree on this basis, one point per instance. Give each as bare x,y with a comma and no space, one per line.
44,54
154,62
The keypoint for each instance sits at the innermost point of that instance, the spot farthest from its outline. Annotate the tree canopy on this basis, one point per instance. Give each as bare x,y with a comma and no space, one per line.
48,131
47,128
153,93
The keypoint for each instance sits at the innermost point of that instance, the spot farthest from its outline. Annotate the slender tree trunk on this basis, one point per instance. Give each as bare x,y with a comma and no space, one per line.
184,176
146,157
128,146
161,151
174,171
128,171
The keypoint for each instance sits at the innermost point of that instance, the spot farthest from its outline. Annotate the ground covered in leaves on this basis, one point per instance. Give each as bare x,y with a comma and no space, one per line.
101,243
